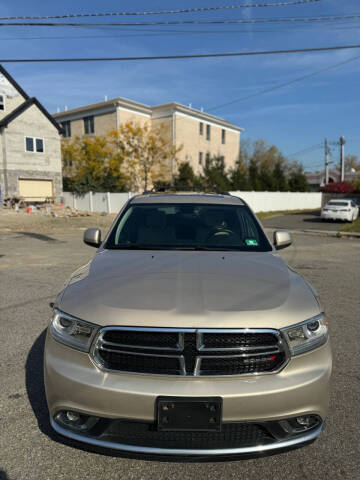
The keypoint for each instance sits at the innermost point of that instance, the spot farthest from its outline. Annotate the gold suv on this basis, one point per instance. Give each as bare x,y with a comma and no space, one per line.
187,334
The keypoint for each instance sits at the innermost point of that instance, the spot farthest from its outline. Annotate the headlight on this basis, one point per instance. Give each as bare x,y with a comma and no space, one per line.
72,331
307,335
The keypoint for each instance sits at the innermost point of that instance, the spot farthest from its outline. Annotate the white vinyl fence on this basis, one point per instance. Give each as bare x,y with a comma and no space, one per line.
278,201
258,201
97,202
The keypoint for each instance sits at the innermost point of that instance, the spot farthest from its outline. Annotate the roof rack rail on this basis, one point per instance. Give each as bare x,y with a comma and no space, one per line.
183,188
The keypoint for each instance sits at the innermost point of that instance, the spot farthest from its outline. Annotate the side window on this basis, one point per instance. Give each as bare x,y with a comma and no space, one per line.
208,132
2,102
67,128
34,144
40,145
29,144
89,127
223,136
201,128
200,158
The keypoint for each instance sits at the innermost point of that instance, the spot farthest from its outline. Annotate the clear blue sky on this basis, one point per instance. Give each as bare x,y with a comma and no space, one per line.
292,118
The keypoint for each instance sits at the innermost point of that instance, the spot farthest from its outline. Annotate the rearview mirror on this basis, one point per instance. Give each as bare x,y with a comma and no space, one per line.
282,239
92,237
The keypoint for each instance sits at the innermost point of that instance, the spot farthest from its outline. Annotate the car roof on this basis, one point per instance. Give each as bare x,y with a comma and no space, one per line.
187,197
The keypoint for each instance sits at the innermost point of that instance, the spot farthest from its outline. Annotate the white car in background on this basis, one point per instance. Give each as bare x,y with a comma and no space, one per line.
344,210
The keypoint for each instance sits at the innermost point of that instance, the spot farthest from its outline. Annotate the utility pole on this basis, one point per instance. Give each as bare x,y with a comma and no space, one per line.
326,162
342,158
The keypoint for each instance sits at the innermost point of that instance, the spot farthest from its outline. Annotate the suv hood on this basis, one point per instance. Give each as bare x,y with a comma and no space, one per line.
188,289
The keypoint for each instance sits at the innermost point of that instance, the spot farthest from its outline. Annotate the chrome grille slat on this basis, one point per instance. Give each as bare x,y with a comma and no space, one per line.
191,353
141,354
178,347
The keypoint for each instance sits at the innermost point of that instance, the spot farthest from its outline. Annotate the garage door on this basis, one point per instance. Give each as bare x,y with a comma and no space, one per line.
35,190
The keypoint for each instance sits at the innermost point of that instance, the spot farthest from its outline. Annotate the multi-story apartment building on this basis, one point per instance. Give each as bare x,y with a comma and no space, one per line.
201,135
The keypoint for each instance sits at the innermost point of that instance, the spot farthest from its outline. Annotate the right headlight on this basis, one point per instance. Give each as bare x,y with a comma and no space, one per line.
72,331
307,335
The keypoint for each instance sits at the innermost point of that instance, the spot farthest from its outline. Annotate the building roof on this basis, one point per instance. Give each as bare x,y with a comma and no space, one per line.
24,106
178,107
151,111
13,82
114,102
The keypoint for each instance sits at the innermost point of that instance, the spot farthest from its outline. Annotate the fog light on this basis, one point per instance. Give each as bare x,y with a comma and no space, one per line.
72,416
305,421
75,421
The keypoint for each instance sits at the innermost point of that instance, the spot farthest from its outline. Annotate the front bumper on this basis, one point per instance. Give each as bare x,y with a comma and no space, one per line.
74,383
194,443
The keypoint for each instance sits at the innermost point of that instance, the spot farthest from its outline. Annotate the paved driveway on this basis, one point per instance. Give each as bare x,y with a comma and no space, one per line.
33,269
302,221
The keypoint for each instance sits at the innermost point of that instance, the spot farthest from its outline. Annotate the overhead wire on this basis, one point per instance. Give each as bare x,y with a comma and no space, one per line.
181,57
306,150
249,21
165,33
282,85
164,12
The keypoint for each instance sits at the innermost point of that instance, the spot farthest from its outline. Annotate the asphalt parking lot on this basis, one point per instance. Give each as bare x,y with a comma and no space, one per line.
302,221
33,268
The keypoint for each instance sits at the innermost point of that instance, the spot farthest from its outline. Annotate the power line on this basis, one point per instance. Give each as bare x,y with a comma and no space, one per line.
306,150
282,85
160,32
157,32
164,12
188,22
179,57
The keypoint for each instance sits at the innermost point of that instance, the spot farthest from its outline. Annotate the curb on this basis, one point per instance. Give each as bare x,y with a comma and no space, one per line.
321,233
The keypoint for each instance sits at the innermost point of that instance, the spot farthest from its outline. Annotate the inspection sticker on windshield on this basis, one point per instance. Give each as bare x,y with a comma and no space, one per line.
251,242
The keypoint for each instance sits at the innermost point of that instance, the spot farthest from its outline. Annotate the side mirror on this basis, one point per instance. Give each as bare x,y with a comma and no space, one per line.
92,237
282,239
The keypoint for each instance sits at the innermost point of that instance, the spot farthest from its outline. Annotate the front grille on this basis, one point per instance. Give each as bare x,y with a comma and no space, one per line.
189,352
240,365
232,435
238,340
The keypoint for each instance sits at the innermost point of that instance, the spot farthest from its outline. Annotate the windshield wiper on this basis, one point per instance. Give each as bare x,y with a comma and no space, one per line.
149,247
217,249
199,248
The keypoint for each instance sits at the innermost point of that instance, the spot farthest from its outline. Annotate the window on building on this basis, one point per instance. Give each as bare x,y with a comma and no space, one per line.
89,125
34,144
201,128
208,132
200,158
67,128
223,136
39,145
207,158
2,102
29,144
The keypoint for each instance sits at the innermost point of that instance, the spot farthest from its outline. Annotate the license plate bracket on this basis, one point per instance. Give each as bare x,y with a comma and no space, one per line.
182,414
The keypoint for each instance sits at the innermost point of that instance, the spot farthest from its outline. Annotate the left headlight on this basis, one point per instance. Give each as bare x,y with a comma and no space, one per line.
307,335
71,331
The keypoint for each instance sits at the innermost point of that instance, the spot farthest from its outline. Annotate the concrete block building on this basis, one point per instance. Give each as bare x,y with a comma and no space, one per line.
30,145
201,135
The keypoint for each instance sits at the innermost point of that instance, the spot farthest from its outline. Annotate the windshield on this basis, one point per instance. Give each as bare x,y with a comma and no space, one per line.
338,204
188,227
